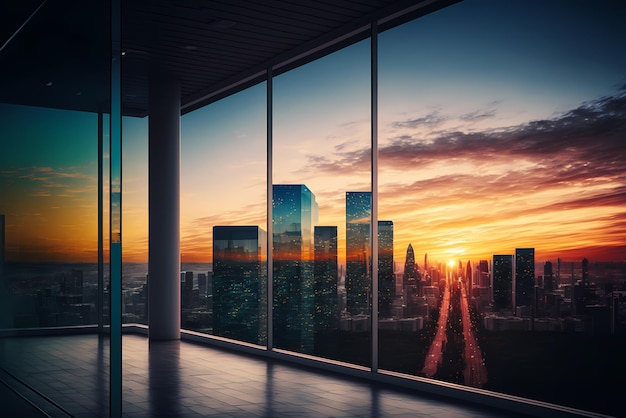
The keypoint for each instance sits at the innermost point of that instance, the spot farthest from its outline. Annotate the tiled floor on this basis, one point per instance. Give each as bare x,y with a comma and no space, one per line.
183,379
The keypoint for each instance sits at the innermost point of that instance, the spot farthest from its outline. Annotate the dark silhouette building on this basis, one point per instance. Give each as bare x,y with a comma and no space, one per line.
502,282
524,279
411,283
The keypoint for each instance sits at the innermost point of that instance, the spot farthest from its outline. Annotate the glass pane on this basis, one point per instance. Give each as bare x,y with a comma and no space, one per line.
501,166
54,100
135,220
322,207
223,218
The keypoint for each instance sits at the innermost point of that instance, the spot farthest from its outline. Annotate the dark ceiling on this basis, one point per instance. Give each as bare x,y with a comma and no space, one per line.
56,53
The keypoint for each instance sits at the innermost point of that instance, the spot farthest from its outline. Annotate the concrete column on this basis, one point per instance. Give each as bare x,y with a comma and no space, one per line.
164,208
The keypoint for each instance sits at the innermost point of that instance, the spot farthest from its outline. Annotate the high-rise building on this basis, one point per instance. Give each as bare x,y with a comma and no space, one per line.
325,279
386,277
524,279
410,268
295,214
483,276
502,282
358,252
411,282
548,277
239,283
202,284
186,289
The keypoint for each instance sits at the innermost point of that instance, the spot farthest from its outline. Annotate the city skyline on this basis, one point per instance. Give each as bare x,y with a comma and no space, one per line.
485,145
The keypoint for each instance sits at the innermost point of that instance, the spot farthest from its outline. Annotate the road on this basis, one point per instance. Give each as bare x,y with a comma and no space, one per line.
475,373
435,352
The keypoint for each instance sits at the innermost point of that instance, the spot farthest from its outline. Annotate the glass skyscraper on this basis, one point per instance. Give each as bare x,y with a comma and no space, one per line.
524,276
239,283
326,276
502,282
295,213
358,251
386,278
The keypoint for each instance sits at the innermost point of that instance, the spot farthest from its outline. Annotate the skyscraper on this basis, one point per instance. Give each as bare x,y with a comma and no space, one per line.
386,277
325,276
548,277
502,282
524,279
483,277
410,271
358,251
411,282
295,213
239,283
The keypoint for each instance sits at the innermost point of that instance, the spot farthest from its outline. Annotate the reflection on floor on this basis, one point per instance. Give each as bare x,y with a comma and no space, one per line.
183,379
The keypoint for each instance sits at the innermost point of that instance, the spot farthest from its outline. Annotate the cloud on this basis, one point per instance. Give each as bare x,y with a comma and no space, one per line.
432,119
478,115
586,141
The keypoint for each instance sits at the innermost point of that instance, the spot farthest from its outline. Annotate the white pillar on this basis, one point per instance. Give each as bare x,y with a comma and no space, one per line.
164,208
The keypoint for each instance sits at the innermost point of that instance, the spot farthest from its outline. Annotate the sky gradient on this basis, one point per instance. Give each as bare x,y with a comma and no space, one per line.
501,125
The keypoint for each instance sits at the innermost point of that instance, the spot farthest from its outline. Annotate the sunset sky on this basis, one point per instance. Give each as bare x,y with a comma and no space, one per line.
501,125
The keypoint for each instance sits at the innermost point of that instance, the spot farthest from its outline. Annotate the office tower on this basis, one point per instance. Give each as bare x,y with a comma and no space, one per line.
358,251
483,273
410,268
468,277
386,278
524,279
202,284
548,277
411,283
325,279
187,289
502,282
585,272
239,283
295,213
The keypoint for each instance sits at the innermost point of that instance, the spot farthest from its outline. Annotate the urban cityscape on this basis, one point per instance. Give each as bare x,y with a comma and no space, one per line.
448,312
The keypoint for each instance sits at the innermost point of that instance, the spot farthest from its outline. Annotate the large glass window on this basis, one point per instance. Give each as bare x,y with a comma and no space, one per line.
223,218
54,106
322,207
501,166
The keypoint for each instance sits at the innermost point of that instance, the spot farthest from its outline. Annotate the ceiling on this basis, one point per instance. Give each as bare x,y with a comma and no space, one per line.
56,53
